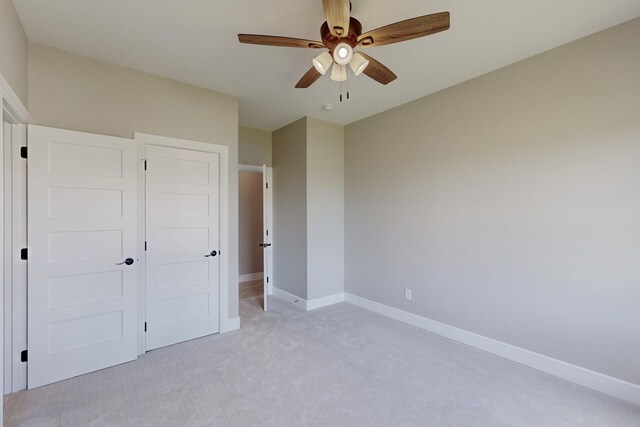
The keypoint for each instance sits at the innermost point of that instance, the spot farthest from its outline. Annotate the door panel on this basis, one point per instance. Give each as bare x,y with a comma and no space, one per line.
182,220
82,307
267,234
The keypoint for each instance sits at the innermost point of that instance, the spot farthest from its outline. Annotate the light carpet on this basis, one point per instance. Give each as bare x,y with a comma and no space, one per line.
337,366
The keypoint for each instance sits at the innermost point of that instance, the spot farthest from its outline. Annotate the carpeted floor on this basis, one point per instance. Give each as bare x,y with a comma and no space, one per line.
338,366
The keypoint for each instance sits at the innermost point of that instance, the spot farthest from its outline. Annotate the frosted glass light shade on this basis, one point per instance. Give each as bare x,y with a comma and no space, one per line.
358,63
342,54
323,62
339,73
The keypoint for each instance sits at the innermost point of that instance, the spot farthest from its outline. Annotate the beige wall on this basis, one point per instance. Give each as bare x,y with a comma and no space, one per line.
510,204
290,208
74,92
308,175
250,223
325,208
254,147
13,50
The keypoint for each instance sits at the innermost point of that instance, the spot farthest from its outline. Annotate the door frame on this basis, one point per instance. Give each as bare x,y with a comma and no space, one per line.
143,139
13,307
15,269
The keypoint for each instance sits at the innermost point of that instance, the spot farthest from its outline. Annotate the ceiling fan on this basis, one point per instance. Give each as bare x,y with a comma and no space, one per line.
341,33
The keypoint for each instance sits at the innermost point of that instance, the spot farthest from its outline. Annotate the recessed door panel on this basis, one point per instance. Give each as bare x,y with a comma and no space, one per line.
183,205
78,289
174,274
84,203
183,171
171,240
84,245
71,158
84,331
182,308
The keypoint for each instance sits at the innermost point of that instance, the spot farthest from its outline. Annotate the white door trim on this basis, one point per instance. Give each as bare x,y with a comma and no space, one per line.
17,205
15,339
12,105
250,168
2,297
142,139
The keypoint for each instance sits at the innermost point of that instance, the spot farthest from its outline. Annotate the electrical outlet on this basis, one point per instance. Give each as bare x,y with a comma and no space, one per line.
407,294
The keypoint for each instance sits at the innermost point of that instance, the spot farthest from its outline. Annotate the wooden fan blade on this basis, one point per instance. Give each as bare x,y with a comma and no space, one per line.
377,71
278,41
338,14
406,30
309,78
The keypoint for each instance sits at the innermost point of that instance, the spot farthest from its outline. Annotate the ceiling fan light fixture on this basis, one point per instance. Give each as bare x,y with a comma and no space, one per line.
358,63
323,62
341,33
339,73
343,53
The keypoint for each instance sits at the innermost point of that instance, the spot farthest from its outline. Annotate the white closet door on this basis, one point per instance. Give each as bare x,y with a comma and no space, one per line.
82,298
183,237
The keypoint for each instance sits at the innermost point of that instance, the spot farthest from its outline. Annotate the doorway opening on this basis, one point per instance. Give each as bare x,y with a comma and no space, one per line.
255,236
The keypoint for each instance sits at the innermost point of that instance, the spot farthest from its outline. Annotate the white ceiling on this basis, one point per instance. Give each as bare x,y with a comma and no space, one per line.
195,41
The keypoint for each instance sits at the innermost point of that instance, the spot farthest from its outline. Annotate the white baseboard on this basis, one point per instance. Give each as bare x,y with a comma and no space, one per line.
229,325
308,305
250,277
314,304
594,380
290,298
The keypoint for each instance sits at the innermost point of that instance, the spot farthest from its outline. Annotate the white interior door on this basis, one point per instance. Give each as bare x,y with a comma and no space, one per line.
82,298
183,244
267,234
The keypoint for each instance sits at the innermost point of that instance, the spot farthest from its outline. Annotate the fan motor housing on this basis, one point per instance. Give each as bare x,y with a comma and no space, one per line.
330,41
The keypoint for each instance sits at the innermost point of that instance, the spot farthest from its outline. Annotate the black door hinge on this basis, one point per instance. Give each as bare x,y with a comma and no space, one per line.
23,152
24,356
267,279
267,185
145,326
24,254
145,245
145,165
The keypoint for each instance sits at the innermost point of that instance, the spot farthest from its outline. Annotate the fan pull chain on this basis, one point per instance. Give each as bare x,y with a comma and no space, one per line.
347,89
341,80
